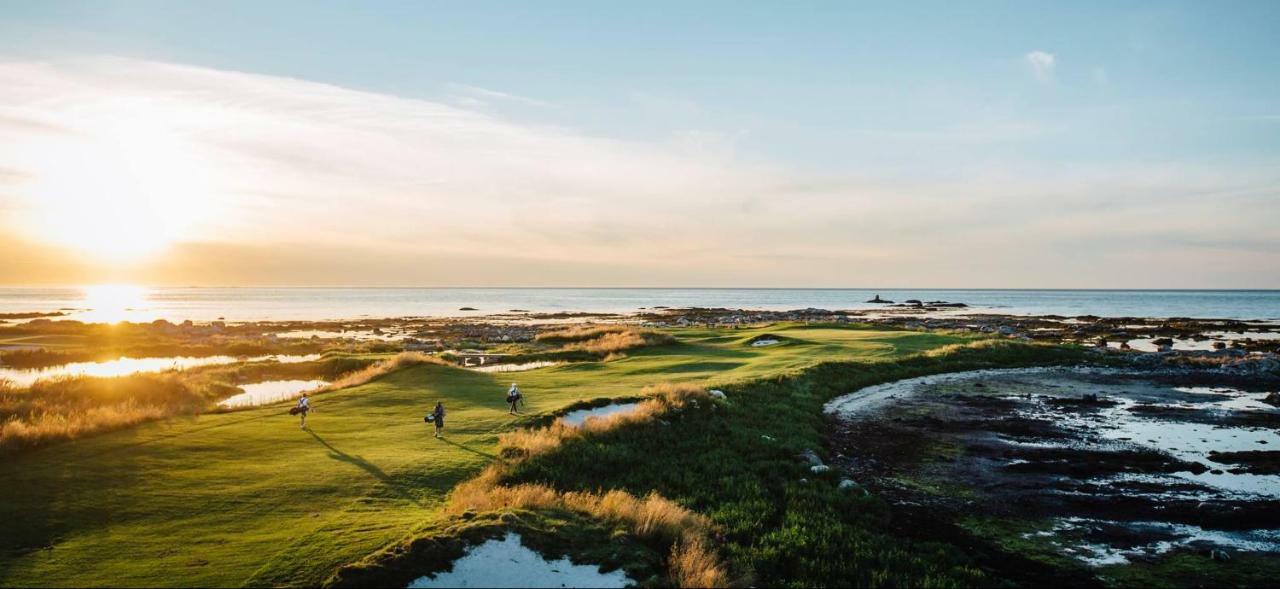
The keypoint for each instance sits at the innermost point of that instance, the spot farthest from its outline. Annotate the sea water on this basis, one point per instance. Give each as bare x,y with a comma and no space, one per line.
256,304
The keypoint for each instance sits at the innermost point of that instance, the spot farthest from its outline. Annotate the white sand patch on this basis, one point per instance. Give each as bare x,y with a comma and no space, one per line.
508,563
577,418
515,367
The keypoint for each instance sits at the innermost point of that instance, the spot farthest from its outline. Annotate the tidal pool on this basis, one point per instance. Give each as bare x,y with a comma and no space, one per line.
271,391
508,563
125,366
1128,465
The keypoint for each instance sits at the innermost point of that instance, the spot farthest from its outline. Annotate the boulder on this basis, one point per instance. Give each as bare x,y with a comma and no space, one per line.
811,457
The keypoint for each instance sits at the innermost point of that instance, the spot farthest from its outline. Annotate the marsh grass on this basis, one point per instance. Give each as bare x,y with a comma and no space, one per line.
62,409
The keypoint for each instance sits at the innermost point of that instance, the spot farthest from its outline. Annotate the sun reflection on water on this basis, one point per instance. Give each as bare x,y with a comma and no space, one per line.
112,303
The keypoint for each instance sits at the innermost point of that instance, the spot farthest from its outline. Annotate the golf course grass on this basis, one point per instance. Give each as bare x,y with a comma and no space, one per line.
247,498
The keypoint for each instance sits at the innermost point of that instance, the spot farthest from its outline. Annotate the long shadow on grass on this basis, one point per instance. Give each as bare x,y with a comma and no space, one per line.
468,449
368,467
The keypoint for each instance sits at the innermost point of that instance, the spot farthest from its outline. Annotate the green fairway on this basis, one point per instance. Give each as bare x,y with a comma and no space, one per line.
248,498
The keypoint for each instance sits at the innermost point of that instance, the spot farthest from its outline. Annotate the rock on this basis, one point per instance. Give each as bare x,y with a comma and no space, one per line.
811,457
880,301
468,309
819,468
1006,330
766,438
1220,555
1272,399
717,394
848,484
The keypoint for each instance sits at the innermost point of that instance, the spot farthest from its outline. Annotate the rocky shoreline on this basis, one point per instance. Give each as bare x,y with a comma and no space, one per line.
1100,467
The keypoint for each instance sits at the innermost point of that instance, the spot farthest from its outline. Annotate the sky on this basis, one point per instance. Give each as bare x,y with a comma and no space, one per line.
770,144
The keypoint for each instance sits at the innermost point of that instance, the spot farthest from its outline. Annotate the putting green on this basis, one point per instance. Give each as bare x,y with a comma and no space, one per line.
247,498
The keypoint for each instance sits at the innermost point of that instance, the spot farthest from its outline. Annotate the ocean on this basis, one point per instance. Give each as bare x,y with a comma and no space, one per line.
140,304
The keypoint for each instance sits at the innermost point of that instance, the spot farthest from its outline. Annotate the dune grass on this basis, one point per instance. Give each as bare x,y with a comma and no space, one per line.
604,340
247,498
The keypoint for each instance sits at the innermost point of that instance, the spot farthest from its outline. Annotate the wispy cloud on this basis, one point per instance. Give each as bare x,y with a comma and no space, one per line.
475,95
1042,64
268,180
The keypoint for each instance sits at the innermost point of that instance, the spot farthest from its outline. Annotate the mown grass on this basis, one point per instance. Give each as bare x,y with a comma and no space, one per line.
247,498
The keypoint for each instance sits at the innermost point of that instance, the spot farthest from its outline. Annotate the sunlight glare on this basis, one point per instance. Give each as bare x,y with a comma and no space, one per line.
112,303
126,188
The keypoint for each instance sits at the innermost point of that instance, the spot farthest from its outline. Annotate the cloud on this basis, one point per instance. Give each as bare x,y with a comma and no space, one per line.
474,96
1041,63
251,179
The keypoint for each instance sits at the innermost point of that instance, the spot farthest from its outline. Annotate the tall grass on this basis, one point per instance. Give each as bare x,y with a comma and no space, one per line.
67,408
604,340
62,409
528,443
579,333
652,517
375,371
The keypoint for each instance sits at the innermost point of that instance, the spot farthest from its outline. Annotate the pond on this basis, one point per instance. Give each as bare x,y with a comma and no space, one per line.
125,366
271,391
508,563
577,418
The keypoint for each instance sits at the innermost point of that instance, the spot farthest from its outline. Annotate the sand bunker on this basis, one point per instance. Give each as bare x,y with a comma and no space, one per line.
508,563
515,367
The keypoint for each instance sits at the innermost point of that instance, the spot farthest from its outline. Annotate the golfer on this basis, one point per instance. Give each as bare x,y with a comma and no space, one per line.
514,398
437,415
304,407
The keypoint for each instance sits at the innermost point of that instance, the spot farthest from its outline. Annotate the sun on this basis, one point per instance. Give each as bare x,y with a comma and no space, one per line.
119,192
